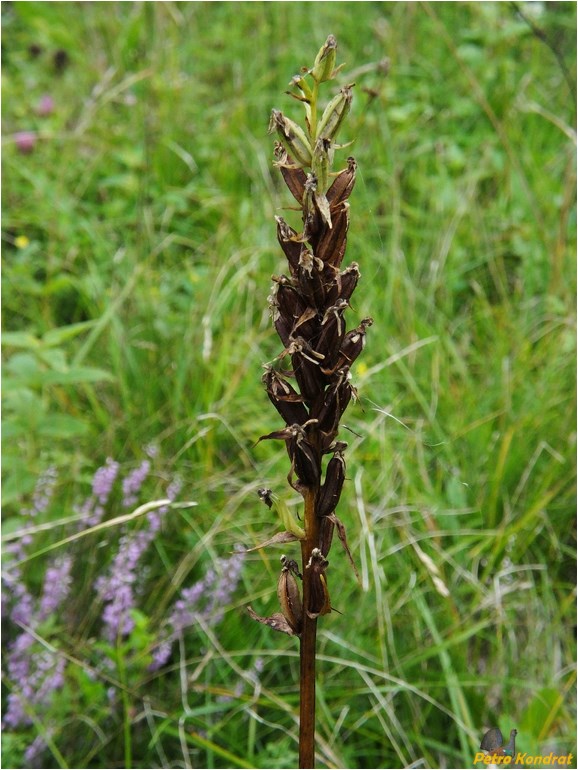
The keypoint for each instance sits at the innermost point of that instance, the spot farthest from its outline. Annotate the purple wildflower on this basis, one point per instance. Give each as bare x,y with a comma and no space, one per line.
57,581
34,753
154,518
116,614
43,492
132,484
218,585
22,611
103,480
117,588
37,675
14,589
161,654
225,586
102,484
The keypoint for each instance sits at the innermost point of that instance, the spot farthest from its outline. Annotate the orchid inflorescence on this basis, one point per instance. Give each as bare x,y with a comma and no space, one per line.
309,383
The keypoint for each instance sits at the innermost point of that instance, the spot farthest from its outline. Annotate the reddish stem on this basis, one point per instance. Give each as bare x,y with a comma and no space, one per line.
308,641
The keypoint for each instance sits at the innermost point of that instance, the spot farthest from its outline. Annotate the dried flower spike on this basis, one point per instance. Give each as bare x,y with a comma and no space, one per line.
309,383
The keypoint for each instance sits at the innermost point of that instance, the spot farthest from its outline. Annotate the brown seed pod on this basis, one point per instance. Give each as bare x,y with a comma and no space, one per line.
284,397
331,246
310,278
332,332
290,243
290,598
287,305
305,461
305,362
313,224
326,535
352,345
329,408
293,175
319,601
348,280
343,183
307,325
330,492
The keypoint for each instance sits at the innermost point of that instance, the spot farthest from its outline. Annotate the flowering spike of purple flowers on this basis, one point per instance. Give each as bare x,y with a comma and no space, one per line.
36,672
103,480
57,582
132,484
116,588
205,599
43,492
102,484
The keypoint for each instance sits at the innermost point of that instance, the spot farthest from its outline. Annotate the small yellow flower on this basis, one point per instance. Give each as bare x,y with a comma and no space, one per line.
361,368
21,241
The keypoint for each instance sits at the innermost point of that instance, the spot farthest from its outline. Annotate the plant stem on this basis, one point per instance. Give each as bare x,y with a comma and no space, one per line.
307,703
308,642
313,107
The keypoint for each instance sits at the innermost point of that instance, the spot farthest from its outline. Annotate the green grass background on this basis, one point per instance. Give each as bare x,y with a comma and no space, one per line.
135,313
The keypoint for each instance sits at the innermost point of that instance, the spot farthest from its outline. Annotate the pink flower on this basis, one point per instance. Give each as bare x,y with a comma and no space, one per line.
45,106
25,141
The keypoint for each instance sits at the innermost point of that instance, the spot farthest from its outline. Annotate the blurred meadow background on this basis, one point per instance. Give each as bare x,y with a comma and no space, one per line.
138,247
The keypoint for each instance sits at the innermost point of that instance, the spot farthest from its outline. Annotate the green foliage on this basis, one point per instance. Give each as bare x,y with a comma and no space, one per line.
139,242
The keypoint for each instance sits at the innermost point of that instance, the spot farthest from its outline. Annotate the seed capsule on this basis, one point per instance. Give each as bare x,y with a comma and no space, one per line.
326,534
292,136
288,307
311,282
312,220
285,398
330,492
293,175
343,183
305,459
331,246
324,64
335,401
290,243
349,278
319,601
333,329
308,374
322,206
334,114
289,597
352,345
